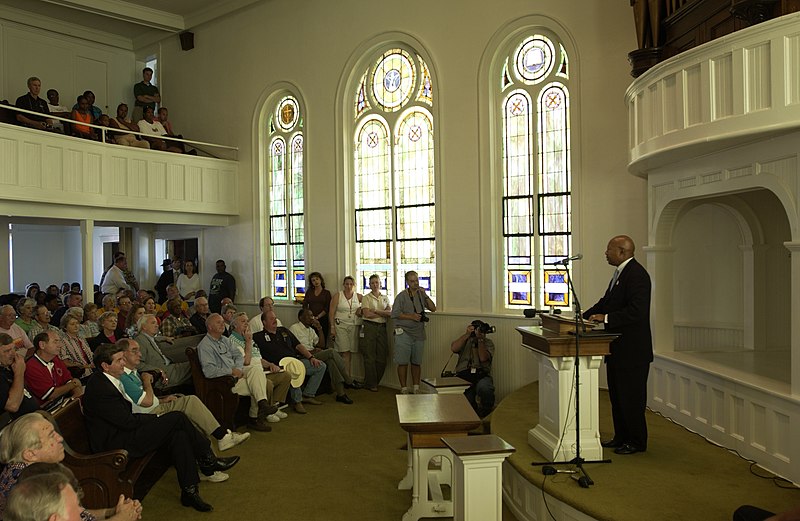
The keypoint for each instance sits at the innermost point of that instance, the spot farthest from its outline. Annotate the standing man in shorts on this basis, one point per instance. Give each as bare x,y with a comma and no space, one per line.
409,317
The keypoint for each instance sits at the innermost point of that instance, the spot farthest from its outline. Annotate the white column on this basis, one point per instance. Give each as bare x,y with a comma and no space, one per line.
5,258
87,260
660,268
794,249
754,273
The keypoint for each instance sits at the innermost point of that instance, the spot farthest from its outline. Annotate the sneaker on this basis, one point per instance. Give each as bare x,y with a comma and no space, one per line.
311,400
232,439
273,418
299,409
416,389
282,415
404,390
216,477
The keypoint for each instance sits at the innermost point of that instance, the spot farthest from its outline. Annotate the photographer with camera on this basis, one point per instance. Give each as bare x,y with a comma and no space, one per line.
409,317
475,353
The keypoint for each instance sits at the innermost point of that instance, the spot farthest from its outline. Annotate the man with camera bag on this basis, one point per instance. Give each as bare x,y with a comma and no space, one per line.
475,353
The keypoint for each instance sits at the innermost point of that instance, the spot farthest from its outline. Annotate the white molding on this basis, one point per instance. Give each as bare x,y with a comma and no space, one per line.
127,12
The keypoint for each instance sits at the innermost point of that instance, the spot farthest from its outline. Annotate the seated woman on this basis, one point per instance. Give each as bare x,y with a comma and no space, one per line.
76,353
83,115
188,283
41,322
25,314
174,323
90,328
137,312
109,333
32,440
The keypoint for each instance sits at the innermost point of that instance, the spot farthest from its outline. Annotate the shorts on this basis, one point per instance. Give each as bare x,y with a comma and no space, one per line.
346,340
408,349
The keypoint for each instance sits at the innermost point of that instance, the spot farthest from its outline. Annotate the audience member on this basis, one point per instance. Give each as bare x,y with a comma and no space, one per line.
25,318
153,358
280,380
173,294
188,282
31,441
137,311
223,285
72,300
123,123
318,300
13,396
228,311
112,425
41,322
83,115
47,378
94,111
201,314
139,388
125,305
346,313
31,101
219,357
374,345
163,117
114,278
265,304
76,353
57,109
109,303
90,328
153,129
276,343
172,270
175,324
146,94
21,341
109,330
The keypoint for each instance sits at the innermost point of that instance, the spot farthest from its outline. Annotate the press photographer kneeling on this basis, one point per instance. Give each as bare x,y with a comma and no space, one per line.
475,353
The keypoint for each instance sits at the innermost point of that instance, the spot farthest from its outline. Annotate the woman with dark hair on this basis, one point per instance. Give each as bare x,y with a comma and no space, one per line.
136,312
318,300
188,282
32,289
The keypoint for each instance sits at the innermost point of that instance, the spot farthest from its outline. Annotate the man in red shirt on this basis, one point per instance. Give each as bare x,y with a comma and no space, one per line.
46,376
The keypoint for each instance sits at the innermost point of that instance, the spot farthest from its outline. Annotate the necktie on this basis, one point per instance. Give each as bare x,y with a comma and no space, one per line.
158,350
614,279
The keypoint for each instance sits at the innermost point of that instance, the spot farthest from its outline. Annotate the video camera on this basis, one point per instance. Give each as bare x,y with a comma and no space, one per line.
483,327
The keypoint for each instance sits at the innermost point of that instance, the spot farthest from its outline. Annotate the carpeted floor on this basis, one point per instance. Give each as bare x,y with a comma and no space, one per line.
336,463
681,476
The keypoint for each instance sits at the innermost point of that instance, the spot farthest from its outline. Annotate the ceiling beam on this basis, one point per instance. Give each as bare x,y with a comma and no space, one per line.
128,12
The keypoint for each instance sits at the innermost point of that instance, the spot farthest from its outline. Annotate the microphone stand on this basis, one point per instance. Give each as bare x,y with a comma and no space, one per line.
580,327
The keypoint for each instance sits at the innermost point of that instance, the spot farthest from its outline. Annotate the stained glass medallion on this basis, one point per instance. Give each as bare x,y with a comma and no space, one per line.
393,79
535,58
287,113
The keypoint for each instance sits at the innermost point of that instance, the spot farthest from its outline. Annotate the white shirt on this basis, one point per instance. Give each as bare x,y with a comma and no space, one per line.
188,285
379,303
114,281
154,129
306,335
256,325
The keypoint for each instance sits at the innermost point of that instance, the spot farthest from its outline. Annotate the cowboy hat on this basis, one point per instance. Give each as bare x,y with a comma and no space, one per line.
296,370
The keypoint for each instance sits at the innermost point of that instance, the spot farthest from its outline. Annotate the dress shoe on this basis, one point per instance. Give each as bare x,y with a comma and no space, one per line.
355,385
298,408
344,399
213,463
311,400
612,443
627,448
224,464
265,409
259,424
190,497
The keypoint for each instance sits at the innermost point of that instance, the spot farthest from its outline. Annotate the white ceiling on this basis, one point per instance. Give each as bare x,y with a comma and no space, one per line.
125,23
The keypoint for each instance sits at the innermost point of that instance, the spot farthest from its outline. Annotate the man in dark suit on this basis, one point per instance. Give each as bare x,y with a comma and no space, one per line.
169,276
112,425
625,309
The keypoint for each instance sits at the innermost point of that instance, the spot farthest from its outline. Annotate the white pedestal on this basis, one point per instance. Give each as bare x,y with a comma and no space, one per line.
557,408
478,477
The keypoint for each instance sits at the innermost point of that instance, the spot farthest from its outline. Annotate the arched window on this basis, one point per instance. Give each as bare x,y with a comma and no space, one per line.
286,221
536,204
393,166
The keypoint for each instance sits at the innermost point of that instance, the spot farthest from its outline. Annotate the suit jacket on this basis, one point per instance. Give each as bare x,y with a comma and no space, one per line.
151,359
627,306
109,416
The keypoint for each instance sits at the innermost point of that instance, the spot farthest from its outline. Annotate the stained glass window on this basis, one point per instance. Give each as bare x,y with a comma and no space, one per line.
286,212
393,160
536,204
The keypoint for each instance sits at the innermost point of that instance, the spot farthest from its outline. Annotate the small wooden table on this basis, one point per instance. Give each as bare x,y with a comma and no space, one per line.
427,418
445,385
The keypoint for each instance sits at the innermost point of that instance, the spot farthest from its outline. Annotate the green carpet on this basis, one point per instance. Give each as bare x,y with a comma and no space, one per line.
680,477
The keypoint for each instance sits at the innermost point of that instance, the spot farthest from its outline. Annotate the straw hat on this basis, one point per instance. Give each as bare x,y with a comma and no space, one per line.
296,370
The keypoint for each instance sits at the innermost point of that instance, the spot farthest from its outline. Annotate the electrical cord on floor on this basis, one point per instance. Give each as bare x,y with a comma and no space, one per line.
776,480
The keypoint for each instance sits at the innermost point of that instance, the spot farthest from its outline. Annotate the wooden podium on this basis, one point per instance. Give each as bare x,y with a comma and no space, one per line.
554,344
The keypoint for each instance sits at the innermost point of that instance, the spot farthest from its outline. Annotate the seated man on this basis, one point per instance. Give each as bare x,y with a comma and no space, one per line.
308,332
153,128
46,376
139,388
44,497
175,323
14,398
72,300
32,440
265,304
163,117
200,315
219,357
228,312
172,293
276,343
474,365
153,358
113,425
123,123
57,109
31,101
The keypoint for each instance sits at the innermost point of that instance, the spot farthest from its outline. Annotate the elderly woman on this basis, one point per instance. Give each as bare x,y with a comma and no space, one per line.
76,353
109,334
137,312
346,313
25,314
175,323
41,321
31,439
90,328
109,304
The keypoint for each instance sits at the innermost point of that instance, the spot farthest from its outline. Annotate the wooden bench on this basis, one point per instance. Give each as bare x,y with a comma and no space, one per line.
103,476
215,393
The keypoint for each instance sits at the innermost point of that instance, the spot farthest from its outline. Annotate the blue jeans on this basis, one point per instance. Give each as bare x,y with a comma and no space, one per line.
314,377
481,396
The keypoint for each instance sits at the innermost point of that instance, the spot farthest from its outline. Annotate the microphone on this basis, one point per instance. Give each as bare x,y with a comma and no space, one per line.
565,260
547,470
